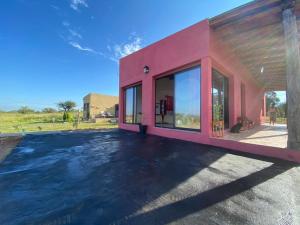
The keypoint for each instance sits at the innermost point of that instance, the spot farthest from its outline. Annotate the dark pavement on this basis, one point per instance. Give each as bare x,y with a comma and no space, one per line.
118,177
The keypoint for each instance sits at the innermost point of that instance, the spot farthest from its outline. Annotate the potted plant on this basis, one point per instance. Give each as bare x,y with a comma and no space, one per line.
218,122
217,112
142,127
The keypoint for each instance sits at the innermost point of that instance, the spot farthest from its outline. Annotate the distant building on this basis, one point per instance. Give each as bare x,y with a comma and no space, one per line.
98,105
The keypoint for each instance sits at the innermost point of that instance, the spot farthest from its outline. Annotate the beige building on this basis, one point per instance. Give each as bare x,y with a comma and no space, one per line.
98,105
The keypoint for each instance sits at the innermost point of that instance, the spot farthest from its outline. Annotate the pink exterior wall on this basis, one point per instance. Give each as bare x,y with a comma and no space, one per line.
178,51
195,45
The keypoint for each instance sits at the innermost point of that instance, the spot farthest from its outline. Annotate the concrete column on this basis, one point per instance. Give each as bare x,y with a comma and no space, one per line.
292,73
206,98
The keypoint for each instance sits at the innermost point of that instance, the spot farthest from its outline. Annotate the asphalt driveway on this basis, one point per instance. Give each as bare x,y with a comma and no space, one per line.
118,177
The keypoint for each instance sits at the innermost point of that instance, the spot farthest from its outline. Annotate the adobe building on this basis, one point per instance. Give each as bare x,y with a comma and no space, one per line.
94,105
217,70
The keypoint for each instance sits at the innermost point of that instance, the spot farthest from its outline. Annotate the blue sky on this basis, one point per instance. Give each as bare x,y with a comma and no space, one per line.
55,50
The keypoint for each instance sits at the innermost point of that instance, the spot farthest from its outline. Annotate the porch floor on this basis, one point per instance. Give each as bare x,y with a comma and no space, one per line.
265,134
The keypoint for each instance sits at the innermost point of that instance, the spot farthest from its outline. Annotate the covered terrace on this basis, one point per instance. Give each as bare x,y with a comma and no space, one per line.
264,35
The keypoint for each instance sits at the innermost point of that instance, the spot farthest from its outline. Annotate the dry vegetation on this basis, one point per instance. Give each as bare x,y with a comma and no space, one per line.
37,122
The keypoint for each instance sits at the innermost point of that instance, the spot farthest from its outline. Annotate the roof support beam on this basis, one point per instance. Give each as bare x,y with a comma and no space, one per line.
292,73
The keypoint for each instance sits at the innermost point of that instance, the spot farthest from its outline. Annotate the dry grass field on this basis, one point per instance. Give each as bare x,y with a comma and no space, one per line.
37,122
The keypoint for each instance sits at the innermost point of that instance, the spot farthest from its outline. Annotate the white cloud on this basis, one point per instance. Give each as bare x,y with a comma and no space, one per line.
114,52
125,49
75,4
54,7
65,23
79,47
75,33
85,49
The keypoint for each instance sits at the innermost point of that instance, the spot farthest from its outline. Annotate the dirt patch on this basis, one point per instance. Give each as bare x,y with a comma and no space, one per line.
7,144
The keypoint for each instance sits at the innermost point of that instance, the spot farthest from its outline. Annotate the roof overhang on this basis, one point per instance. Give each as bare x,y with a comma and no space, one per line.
254,33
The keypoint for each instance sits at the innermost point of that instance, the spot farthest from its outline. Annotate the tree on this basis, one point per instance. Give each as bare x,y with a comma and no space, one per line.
271,98
67,106
25,110
49,110
282,109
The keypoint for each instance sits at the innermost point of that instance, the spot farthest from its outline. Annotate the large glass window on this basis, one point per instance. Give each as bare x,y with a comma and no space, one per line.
187,99
220,98
133,104
178,100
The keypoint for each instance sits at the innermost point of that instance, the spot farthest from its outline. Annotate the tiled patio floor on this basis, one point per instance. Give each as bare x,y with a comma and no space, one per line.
267,135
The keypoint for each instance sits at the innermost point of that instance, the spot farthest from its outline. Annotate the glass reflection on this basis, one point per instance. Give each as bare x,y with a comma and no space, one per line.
178,100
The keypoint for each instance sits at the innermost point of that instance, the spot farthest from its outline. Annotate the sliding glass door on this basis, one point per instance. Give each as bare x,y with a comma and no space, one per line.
164,96
133,104
178,100
220,98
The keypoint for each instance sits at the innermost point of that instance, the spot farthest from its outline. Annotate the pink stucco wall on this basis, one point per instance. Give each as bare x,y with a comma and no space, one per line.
195,45
178,51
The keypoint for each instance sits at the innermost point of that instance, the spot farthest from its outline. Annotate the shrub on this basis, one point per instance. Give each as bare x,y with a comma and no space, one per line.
65,116
25,110
49,110
68,117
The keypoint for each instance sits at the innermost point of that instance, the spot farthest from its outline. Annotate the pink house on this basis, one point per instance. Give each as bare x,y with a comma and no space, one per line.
209,71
